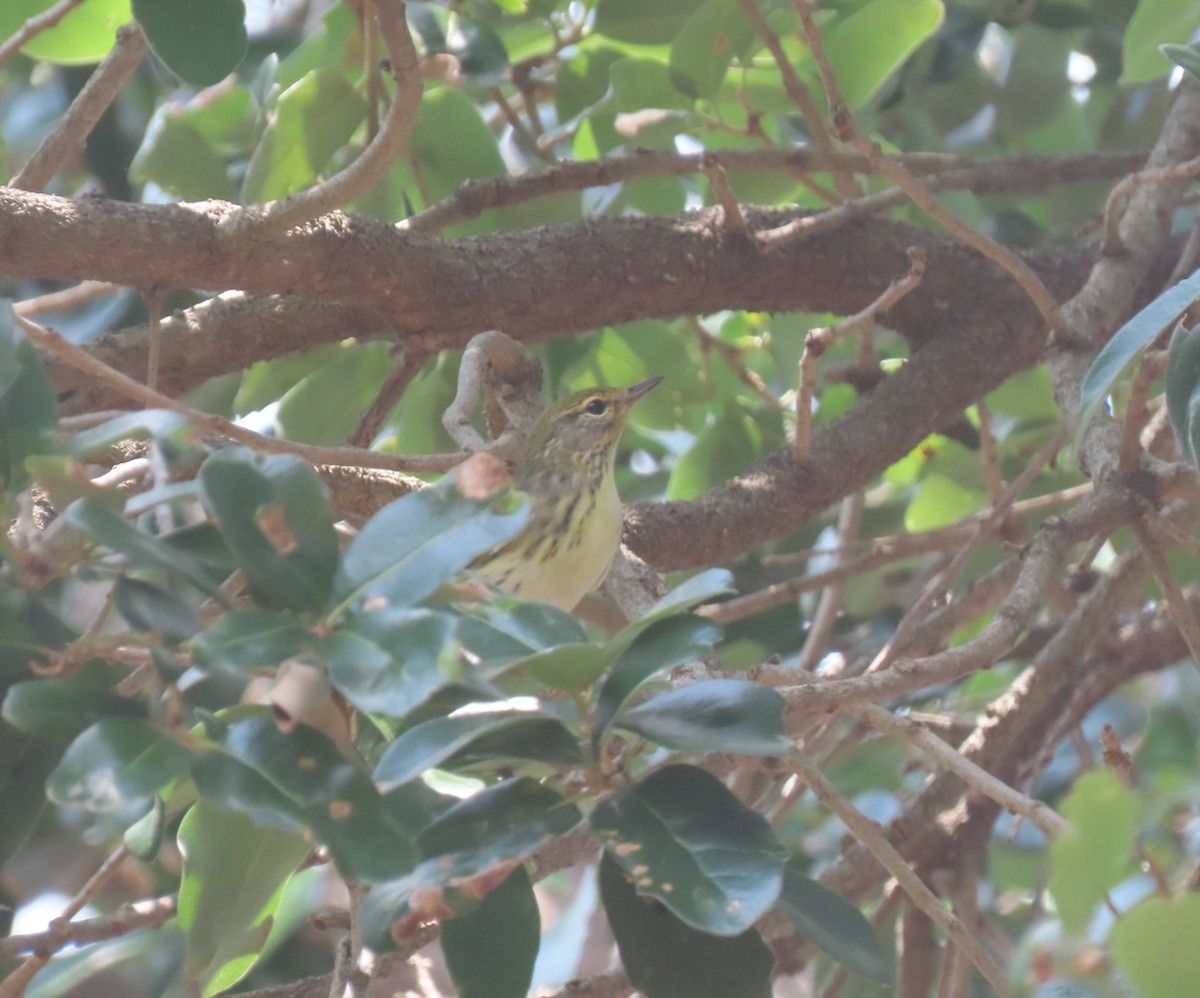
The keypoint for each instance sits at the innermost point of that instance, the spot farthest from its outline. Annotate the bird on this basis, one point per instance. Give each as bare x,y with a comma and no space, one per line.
565,467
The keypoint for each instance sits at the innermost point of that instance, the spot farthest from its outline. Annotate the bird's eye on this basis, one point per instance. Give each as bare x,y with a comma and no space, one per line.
596,407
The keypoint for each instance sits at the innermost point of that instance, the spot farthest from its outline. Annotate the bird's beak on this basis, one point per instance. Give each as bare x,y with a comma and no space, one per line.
635,392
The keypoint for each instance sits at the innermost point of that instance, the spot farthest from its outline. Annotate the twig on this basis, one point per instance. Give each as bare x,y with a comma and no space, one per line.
1041,815
65,300
153,300
497,369
732,357
147,914
845,129
849,522
869,834
66,142
1177,605
1118,198
797,91
34,26
821,339
386,399
987,449
14,985
81,360
718,180
369,168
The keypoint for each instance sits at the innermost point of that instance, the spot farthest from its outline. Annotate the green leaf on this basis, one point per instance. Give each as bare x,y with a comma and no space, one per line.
724,449
571,667
234,873
28,405
490,951
300,778
451,143
1181,382
249,640
665,644
273,510
115,763
871,44
325,406
151,608
714,715
1153,23
1154,944
24,766
505,822
1130,340
58,708
480,52
687,841
417,542
831,922
144,837
643,23
145,424
95,519
507,734
666,958
507,631
700,588
179,159
1095,855
313,119
939,501
84,36
705,45
420,653
203,41
1187,56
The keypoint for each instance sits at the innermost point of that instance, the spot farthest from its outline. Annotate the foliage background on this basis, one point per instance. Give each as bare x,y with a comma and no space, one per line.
545,170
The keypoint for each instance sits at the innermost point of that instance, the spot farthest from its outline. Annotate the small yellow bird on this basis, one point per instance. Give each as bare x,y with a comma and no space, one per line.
565,466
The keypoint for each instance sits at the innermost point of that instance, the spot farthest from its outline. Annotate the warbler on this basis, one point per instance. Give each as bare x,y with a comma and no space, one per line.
565,466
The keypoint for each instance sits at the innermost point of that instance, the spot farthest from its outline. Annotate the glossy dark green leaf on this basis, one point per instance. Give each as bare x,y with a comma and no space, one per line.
504,631
508,734
505,822
831,922
1181,382
115,763
572,667
233,877
419,657
57,708
666,958
299,778
249,640
490,951
1130,340
415,543
313,119
687,841
96,520
274,512
28,405
203,41
25,764
714,715
1187,56
665,644
144,836
148,607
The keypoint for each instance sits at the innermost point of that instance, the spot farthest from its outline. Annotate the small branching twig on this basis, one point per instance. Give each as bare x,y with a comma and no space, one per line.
718,180
1177,605
44,21
147,914
1137,413
849,522
1118,198
387,398
63,145
871,836
501,373
821,339
80,359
